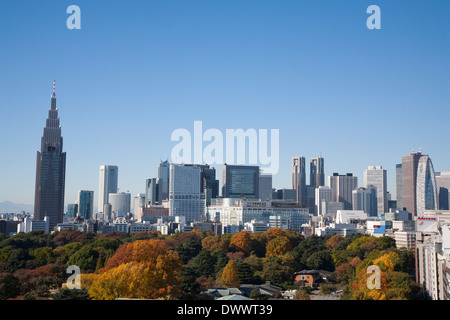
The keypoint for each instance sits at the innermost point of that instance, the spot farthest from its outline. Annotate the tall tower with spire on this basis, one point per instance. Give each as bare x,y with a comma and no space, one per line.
50,170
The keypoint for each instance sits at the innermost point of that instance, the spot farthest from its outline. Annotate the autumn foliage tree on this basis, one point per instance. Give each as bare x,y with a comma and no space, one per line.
241,241
278,246
230,275
140,269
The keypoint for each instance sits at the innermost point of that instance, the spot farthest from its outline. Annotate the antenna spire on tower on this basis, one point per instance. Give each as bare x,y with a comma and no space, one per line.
53,87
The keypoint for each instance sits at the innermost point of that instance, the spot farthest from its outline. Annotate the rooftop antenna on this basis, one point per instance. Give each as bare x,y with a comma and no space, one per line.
53,87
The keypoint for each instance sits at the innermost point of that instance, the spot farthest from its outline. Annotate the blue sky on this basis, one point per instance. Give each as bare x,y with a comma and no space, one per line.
138,70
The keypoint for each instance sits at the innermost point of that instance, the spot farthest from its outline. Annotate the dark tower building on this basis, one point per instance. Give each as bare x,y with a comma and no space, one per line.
317,173
409,178
50,170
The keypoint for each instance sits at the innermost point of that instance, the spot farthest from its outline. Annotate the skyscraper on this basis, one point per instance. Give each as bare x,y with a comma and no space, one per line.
316,172
85,204
323,193
265,186
163,181
365,199
426,189
398,185
151,192
209,185
342,186
376,176
409,177
120,202
185,198
50,170
240,181
298,179
443,186
108,182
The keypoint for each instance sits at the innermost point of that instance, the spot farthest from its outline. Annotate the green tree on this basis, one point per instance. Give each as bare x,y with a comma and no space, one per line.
189,249
301,295
221,259
321,260
244,272
203,263
71,294
9,286
43,255
17,259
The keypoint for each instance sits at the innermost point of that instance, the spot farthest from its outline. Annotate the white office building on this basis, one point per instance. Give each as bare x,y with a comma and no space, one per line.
376,176
323,193
120,202
239,212
185,198
108,183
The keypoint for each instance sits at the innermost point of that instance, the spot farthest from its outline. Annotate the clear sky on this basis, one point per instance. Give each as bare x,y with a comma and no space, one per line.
138,70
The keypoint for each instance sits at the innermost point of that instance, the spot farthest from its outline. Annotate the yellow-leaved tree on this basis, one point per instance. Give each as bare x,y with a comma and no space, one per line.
230,277
143,269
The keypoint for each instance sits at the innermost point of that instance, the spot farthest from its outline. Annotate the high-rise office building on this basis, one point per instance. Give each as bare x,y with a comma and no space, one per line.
85,204
209,183
108,183
151,192
398,185
342,186
50,170
419,187
298,179
365,199
443,186
376,176
323,193
138,203
185,198
265,186
240,181
426,197
285,194
72,210
316,172
163,181
311,199
409,177
120,202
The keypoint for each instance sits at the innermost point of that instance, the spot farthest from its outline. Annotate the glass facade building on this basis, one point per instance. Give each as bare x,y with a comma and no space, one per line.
108,183
426,186
85,204
185,198
240,181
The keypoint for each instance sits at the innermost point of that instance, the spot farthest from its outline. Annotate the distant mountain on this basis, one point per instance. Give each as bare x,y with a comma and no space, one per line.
11,207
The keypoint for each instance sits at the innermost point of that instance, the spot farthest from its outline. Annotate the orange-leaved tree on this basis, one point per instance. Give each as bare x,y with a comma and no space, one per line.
241,241
278,246
230,277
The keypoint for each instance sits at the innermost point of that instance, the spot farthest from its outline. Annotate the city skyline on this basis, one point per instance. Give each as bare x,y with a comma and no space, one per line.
270,63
